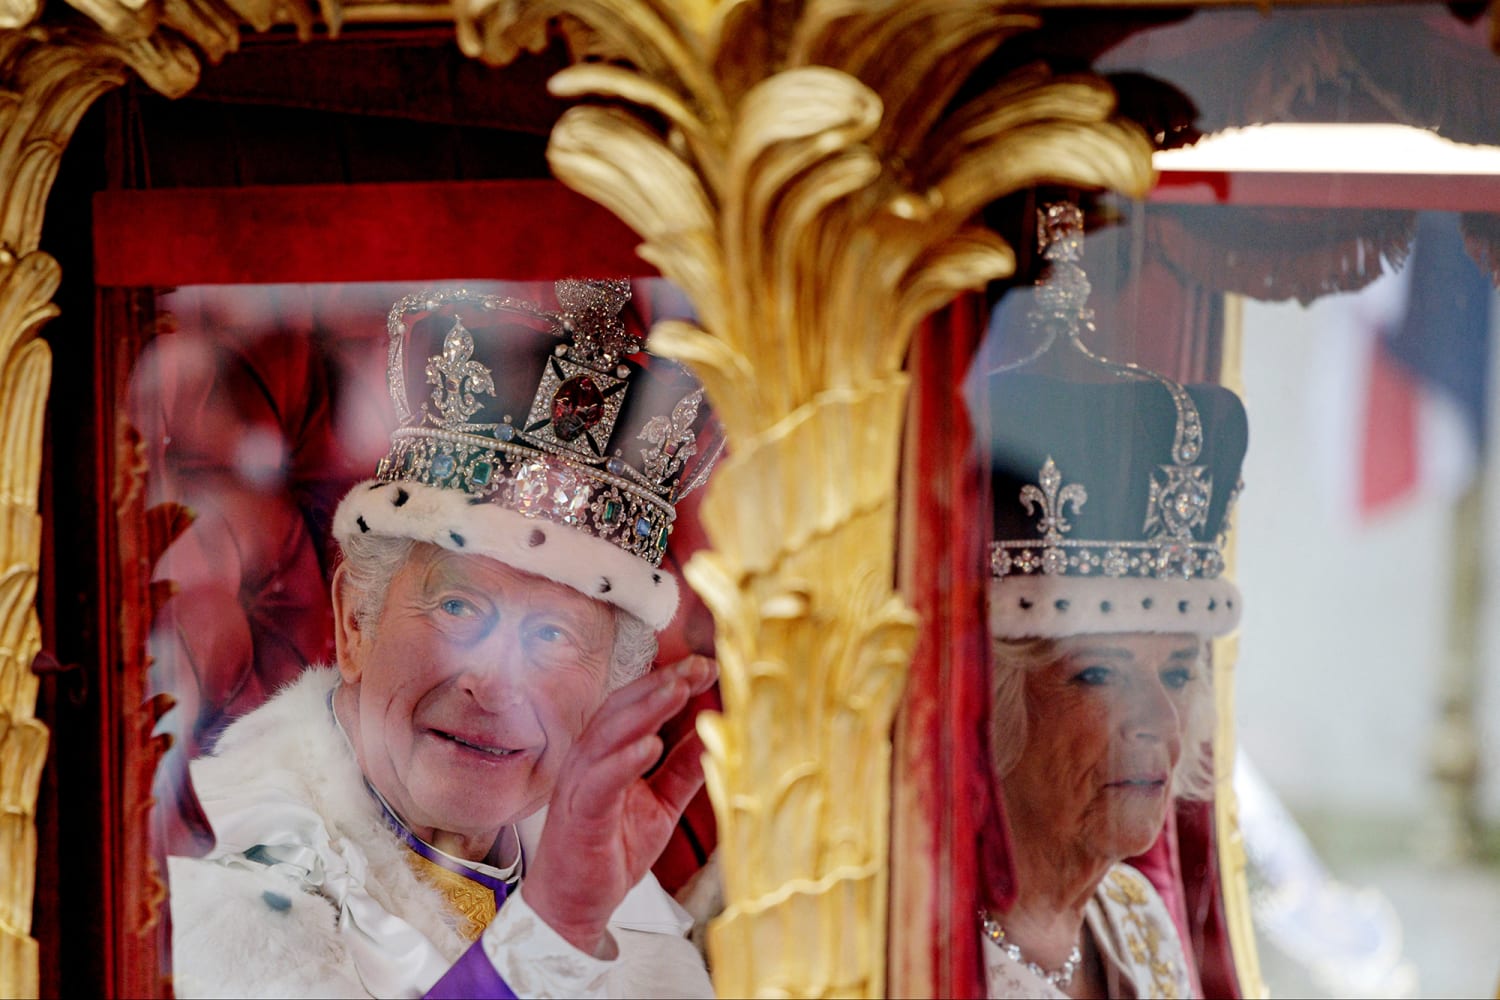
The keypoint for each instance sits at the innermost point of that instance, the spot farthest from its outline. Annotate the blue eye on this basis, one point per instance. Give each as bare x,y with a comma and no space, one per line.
1177,678
550,633
1092,676
458,608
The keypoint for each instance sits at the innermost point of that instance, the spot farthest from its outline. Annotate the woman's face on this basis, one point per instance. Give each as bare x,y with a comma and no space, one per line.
1104,733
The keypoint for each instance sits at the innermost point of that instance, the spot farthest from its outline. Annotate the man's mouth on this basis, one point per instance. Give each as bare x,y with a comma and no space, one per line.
484,748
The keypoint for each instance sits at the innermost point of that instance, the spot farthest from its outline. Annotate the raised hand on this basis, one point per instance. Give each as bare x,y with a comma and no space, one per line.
606,823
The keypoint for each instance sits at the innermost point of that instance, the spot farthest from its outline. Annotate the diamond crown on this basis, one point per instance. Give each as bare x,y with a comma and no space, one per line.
556,462
1180,491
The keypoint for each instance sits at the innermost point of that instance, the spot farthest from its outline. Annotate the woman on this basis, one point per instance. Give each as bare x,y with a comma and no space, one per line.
1111,500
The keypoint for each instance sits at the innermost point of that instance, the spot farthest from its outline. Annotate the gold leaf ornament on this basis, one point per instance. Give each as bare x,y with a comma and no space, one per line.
800,171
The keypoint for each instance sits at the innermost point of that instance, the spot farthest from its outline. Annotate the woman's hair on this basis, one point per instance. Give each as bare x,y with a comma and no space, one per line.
371,562
1015,658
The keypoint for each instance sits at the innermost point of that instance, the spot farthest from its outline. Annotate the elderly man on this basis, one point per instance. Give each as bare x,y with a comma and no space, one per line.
460,806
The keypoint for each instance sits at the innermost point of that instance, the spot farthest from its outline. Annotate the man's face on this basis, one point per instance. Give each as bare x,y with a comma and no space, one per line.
476,681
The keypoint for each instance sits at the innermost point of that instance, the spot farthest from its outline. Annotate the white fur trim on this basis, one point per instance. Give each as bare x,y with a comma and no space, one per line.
1057,606
591,566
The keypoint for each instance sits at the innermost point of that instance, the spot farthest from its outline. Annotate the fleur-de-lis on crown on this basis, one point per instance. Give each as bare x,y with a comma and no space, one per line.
1052,524
457,377
672,437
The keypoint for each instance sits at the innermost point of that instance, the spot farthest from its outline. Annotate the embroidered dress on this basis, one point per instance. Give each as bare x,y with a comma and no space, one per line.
310,892
1137,942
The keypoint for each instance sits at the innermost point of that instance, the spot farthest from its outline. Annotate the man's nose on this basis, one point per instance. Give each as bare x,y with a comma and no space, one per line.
494,673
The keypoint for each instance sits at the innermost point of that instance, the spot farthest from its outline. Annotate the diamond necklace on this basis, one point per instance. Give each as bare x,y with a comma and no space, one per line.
1061,978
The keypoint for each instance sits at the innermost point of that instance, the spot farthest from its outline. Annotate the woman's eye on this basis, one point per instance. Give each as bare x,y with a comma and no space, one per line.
1092,676
1177,678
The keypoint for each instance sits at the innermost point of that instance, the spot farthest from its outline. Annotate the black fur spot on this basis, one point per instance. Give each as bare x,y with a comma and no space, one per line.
656,578
1025,603
1106,607
378,486
1182,606
401,497
537,537
476,500
360,520
604,585
1146,603
276,901
1061,604
457,538
1213,605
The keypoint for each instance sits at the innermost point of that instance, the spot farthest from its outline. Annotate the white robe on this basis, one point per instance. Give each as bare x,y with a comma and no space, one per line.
1136,937
340,912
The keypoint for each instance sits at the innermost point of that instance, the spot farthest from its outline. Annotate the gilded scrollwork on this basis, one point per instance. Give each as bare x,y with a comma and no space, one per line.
813,194
45,86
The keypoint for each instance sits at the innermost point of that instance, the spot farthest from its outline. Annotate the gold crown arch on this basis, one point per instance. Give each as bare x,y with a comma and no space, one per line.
813,195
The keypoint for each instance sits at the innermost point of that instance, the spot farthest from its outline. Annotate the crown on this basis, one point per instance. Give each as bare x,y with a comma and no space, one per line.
510,414
1113,496
555,463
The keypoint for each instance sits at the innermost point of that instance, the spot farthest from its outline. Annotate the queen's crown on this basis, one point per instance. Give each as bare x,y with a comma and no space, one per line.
1160,459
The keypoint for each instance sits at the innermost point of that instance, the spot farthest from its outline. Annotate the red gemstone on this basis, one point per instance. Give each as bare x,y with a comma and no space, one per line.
577,405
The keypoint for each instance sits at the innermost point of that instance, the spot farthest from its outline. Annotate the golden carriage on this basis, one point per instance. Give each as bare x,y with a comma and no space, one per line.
831,186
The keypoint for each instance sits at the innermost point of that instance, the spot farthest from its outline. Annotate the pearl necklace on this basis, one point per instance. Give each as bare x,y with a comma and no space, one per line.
1061,978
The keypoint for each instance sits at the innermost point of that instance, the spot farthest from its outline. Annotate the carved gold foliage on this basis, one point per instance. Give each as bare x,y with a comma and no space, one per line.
45,86
161,39
797,169
24,374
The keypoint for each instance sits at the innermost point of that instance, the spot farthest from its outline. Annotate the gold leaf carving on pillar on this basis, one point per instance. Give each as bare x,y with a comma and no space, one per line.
796,169
44,90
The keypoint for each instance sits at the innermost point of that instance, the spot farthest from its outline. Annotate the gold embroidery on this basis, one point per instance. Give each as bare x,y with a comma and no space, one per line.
1145,941
474,903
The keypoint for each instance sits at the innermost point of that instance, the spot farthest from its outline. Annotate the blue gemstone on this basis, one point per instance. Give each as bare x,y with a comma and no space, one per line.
506,432
643,527
616,466
442,466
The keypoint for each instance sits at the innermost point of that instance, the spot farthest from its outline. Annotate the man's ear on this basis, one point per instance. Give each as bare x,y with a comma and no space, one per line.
348,637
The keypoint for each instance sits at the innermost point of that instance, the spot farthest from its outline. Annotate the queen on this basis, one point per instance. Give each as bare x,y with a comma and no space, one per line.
1111,501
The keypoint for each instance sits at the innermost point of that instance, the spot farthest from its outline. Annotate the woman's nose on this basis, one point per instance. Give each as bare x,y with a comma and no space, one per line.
1150,713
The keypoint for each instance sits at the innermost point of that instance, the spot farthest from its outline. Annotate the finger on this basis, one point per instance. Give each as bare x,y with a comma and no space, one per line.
700,673
638,689
616,725
680,776
596,790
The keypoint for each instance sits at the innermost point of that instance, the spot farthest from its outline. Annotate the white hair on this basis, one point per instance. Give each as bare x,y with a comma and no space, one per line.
371,562
1015,658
